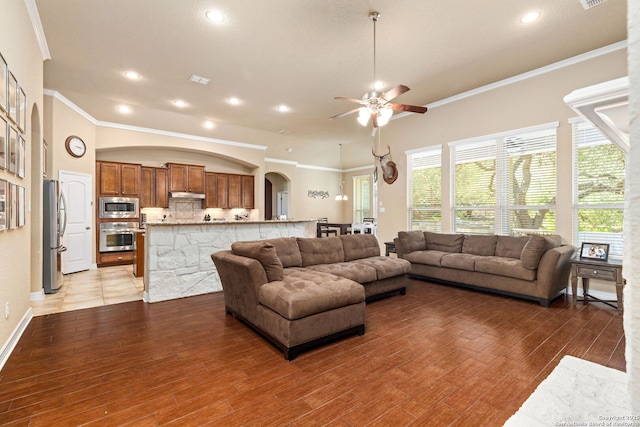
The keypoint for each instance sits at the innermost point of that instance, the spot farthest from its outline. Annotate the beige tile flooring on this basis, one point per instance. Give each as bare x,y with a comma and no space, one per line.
92,288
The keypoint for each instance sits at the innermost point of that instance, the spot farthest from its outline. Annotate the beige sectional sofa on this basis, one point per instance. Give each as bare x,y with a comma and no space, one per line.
531,267
302,292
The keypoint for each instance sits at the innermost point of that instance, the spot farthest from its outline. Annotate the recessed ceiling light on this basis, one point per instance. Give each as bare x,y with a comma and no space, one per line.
530,17
233,101
209,124
215,16
282,108
132,75
179,103
124,109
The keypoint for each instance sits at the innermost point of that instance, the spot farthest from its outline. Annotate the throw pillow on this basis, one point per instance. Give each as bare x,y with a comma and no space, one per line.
265,253
412,241
532,252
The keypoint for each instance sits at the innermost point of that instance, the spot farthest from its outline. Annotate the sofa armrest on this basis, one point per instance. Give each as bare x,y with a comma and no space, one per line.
400,250
241,278
554,268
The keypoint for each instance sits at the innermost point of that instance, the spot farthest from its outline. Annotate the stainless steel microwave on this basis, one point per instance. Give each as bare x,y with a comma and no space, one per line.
119,207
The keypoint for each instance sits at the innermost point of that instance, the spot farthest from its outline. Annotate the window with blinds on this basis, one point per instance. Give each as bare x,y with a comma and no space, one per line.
425,189
598,188
505,183
362,198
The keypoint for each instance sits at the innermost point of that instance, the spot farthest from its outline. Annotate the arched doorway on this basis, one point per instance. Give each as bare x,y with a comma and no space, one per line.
276,196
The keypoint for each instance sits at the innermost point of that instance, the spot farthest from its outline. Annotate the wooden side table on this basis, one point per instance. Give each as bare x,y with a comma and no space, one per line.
610,270
389,248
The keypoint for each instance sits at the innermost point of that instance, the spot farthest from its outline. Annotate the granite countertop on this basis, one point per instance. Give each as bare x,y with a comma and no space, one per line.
242,221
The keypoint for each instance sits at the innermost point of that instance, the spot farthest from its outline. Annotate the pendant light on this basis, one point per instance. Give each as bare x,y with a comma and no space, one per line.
341,195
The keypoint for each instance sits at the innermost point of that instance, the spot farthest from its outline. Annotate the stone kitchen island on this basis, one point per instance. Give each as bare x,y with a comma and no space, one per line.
178,254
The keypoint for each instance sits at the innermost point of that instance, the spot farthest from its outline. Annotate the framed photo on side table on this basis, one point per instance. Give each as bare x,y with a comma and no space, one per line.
595,251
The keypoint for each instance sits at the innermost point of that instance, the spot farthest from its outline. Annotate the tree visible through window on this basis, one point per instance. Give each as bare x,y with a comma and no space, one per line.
506,183
598,188
425,189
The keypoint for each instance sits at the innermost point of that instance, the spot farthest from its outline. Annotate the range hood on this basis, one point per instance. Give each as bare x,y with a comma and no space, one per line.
605,105
185,195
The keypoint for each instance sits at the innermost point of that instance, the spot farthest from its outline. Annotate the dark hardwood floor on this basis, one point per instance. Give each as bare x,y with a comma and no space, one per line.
438,356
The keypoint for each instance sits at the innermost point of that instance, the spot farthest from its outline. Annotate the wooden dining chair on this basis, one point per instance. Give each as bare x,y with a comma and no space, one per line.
325,231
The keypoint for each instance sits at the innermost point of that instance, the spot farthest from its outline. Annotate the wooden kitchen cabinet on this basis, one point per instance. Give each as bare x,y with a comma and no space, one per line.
186,178
118,179
235,191
154,191
138,255
222,190
248,194
211,190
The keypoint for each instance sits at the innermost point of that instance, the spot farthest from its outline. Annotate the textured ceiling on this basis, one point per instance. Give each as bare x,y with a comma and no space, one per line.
300,53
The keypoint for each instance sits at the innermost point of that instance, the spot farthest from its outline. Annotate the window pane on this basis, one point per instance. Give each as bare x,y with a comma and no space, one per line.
425,189
426,220
474,221
599,169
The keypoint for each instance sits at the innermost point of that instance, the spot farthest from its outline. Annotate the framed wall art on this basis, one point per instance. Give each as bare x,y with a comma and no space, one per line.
4,135
12,151
21,203
12,102
595,251
3,83
22,156
3,204
13,206
22,110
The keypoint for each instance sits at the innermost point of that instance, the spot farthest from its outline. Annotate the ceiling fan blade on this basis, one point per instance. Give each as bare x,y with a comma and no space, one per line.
337,116
410,108
394,93
374,120
342,98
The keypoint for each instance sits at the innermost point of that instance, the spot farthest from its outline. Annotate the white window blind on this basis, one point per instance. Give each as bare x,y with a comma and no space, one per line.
505,183
425,189
362,198
598,189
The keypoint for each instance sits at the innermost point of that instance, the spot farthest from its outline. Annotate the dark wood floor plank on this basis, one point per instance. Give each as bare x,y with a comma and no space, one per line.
439,355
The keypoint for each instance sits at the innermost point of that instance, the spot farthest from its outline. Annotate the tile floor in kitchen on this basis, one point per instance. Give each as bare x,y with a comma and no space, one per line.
92,288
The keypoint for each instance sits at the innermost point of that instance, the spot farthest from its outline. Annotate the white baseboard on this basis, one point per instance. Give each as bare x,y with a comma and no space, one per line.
11,343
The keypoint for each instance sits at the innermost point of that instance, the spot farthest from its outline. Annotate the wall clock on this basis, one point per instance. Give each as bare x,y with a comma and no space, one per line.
75,146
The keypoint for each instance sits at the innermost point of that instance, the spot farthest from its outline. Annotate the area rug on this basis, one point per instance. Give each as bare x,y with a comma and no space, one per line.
578,393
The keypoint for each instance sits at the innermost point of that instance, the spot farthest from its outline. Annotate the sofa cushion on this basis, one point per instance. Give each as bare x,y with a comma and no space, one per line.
412,240
460,261
265,253
479,245
503,266
444,242
426,257
288,251
358,246
511,246
304,292
552,242
348,270
385,266
532,252
320,250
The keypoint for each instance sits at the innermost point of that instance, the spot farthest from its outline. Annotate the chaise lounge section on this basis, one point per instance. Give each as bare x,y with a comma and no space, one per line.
302,292
530,267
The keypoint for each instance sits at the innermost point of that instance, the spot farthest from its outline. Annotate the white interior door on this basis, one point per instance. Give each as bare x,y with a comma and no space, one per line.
78,190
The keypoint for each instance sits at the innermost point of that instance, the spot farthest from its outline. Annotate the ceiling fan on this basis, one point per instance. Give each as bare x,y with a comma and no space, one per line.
377,106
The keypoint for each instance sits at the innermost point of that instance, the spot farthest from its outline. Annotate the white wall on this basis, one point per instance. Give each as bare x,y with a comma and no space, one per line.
631,263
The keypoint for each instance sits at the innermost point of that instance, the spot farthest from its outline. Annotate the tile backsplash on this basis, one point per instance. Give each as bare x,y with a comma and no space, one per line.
187,210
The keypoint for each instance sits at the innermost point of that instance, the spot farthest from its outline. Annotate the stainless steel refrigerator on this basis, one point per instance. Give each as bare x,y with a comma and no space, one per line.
54,223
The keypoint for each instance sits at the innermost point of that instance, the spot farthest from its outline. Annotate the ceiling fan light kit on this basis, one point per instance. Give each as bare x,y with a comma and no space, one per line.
377,106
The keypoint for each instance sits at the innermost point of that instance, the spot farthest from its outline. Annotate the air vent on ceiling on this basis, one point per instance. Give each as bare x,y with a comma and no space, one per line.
588,4
198,79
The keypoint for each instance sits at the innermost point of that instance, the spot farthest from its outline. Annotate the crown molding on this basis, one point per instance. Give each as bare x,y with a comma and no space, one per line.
36,23
525,76
57,95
